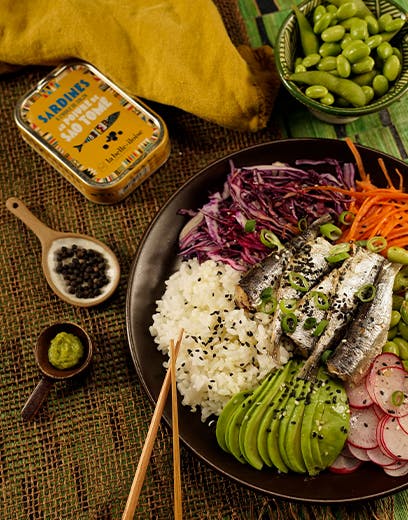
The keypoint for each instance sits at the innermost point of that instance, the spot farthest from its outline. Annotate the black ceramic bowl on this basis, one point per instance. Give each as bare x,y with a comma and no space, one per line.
156,259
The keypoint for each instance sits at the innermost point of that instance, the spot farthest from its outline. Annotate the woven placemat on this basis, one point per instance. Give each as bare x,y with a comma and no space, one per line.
77,459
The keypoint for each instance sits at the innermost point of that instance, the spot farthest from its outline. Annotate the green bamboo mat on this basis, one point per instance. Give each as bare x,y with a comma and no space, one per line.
386,131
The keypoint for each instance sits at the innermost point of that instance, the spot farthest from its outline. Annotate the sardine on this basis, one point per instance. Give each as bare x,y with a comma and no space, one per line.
303,336
357,271
368,332
267,273
312,265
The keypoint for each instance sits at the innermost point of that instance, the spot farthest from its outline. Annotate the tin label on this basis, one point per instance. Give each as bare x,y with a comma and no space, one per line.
91,125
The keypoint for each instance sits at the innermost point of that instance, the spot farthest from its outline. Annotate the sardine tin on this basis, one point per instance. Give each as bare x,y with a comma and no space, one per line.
100,139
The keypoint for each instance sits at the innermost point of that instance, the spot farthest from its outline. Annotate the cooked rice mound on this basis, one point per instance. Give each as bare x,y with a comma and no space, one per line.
224,348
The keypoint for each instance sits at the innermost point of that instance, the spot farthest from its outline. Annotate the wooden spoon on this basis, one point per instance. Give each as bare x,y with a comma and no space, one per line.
50,373
52,241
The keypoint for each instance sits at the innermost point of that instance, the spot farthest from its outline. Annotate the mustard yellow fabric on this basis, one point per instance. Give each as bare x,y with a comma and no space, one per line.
175,52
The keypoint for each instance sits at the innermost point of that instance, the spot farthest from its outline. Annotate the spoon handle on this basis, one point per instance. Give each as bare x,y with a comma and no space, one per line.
20,210
37,398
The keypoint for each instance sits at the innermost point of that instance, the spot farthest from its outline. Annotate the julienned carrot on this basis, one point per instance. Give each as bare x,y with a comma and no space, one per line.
377,211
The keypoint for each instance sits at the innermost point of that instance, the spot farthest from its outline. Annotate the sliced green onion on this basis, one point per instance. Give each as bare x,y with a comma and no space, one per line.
289,322
339,257
287,305
250,226
268,306
346,218
397,397
309,323
298,281
269,239
326,354
330,231
376,244
267,293
344,247
320,327
361,243
366,293
302,224
321,300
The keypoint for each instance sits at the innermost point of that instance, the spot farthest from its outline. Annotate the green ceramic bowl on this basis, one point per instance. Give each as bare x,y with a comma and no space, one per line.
287,48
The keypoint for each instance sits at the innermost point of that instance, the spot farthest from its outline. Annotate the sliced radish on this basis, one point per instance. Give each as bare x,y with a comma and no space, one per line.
359,453
394,438
345,465
379,412
380,437
397,472
386,359
390,390
403,422
363,428
377,456
358,396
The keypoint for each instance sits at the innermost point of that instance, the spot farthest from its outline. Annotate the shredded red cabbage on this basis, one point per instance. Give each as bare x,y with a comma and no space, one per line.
276,196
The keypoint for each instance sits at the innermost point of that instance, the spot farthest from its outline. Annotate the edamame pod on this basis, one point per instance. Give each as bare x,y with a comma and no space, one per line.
343,87
308,39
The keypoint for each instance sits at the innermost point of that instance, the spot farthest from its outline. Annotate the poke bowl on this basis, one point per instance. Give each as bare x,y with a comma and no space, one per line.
149,277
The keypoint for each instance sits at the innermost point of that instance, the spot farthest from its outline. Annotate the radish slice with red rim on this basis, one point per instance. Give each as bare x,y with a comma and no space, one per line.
394,439
377,456
390,390
345,465
403,421
358,396
397,472
359,453
363,428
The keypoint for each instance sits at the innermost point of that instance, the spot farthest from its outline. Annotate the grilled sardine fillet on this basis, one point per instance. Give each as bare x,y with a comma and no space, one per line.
308,307
357,271
267,273
368,332
311,263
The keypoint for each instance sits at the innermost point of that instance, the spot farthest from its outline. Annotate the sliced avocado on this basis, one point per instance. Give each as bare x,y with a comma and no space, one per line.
286,415
334,423
238,416
292,444
314,405
249,429
225,416
275,418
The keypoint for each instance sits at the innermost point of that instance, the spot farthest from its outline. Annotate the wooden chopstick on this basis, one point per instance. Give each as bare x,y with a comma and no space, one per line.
178,510
140,474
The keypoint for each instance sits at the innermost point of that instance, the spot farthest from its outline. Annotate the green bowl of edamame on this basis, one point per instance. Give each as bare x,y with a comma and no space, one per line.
344,59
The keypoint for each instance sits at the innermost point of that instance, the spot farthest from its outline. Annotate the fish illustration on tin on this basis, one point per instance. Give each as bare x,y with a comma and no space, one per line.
99,129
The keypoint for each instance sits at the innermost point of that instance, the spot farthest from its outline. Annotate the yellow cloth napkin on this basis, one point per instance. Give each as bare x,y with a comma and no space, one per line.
175,52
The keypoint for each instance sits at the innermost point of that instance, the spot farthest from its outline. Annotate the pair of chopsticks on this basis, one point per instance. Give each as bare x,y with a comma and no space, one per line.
140,474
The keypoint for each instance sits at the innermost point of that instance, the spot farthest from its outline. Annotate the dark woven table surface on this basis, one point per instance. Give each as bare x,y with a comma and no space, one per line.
77,459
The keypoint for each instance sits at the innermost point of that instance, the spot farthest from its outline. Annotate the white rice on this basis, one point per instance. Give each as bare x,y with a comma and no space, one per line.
224,348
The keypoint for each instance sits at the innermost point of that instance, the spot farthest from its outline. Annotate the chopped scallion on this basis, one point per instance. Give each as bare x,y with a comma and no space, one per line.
376,244
330,231
287,305
320,328
346,218
289,322
298,281
366,293
269,239
250,226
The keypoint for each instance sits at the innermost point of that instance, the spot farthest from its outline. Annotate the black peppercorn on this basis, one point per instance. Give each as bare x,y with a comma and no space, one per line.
83,270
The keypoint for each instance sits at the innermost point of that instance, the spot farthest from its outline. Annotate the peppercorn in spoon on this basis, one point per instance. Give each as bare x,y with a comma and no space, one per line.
80,269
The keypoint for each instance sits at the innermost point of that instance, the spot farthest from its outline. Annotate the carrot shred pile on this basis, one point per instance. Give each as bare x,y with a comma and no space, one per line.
377,211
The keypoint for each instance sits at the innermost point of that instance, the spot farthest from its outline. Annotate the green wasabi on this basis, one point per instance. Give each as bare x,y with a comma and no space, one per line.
66,351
